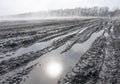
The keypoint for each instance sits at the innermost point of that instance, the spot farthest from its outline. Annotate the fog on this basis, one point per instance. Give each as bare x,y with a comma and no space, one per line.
9,7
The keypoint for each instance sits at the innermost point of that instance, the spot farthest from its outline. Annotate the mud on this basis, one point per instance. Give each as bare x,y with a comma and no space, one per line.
98,65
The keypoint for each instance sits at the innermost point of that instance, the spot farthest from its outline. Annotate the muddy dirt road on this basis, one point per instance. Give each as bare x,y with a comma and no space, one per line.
27,45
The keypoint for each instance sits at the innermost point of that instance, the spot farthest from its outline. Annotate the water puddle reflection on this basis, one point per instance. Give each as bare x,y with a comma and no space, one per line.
55,65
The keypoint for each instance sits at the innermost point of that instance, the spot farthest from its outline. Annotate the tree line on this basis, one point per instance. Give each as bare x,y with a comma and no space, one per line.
94,11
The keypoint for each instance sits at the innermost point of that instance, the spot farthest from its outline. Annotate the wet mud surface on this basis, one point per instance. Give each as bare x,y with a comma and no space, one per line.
23,43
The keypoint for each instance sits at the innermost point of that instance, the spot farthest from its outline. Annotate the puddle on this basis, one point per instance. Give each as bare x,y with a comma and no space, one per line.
35,47
67,60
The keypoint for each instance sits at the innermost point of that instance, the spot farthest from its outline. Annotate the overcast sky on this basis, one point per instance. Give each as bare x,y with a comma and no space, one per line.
8,7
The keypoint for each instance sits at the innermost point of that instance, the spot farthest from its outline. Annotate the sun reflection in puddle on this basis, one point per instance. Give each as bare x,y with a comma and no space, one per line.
54,69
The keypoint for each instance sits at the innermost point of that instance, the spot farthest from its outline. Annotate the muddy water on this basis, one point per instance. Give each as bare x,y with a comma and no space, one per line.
35,47
67,60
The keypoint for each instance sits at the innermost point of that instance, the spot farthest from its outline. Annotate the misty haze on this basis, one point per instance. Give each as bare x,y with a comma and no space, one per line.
59,42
